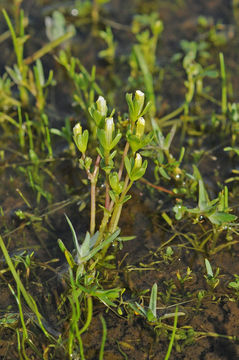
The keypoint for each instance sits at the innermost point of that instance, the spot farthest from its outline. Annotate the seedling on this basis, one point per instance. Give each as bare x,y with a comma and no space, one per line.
235,285
149,313
216,211
211,277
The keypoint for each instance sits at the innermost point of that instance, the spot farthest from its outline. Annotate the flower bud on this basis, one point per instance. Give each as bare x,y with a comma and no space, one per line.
139,101
114,180
77,130
81,139
138,161
109,129
140,127
101,106
158,27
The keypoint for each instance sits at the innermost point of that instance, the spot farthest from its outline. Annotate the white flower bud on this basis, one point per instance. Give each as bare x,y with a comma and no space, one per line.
138,161
140,127
139,101
101,106
109,129
77,130
139,94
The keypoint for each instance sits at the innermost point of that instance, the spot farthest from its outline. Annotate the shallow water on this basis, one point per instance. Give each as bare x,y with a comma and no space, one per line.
142,260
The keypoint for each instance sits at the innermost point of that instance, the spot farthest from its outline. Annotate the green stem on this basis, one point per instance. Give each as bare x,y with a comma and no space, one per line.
93,180
126,149
170,115
102,346
48,47
224,88
107,186
118,207
89,315
173,335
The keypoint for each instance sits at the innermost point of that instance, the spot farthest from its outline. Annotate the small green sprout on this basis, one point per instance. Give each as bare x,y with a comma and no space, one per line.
211,278
235,285
216,211
149,313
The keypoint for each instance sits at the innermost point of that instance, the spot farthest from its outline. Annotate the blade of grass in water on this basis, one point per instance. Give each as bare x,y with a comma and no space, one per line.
224,85
148,79
48,47
173,335
16,276
29,300
102,346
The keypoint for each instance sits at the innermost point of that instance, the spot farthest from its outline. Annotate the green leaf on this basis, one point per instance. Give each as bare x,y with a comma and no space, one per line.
203,200
127,164
182,152
115,141
85,247
235,149
234,285
104,243
147,108
77,246
112,195
101,137
130,103
169,137
126,198
208,268
153,300
136,174
126,238
220,218
134,142
163,173
150,316
38,69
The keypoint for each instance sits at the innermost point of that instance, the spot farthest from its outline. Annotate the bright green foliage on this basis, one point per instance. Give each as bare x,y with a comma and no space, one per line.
211,278
235,285
109,53
81,139
216,211
135,168
149,313
165,163
104,128
109,145
136,105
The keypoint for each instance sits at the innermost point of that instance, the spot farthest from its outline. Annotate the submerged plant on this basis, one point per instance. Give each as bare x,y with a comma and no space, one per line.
216,211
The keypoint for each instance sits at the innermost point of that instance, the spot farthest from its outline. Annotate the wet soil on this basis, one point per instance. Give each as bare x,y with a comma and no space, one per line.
141,263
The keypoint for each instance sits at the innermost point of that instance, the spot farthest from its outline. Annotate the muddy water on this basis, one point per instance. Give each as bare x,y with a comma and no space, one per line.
143,263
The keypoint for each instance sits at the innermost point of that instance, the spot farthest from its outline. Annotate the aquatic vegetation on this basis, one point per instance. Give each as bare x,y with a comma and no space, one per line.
119,219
